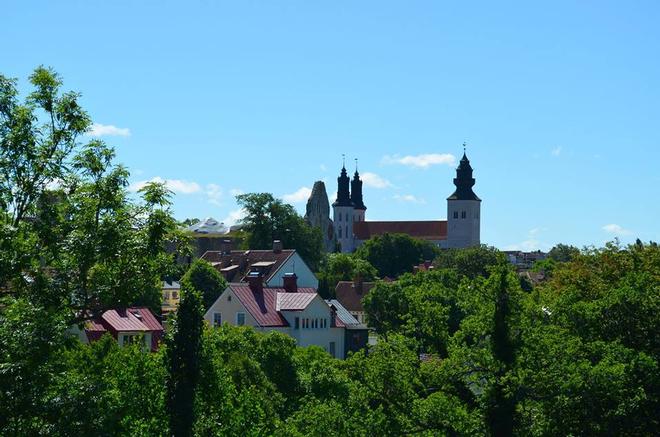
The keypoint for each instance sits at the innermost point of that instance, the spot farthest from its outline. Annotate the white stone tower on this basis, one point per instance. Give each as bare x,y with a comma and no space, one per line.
463,210
342,214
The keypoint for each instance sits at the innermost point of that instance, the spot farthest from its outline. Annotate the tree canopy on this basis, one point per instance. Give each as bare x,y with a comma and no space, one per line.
395,254
203,277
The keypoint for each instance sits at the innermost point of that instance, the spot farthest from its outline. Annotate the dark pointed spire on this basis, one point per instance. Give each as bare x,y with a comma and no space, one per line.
464,180
343,181
356,190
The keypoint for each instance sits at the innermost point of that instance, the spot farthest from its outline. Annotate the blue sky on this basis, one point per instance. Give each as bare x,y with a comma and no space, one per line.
559,103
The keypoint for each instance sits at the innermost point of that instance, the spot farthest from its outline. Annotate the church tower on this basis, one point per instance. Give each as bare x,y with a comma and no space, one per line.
356,197
463,210
342,210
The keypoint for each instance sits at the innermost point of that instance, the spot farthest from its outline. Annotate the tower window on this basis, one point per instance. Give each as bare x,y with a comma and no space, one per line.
340,232
347,217
339,216
455,214
463,214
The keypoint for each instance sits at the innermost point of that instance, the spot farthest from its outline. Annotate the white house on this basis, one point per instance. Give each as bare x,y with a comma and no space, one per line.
297,311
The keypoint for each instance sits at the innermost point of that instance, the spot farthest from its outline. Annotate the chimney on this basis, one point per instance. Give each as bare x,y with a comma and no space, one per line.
290,282
358,283
256,282
277,246
333,316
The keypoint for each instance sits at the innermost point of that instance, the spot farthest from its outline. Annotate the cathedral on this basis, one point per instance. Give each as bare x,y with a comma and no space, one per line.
348,228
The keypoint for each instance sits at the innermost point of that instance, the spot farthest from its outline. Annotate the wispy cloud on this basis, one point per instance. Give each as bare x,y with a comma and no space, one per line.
179,186
556,151
531,243
214,194
374,181
234,217
421,161
301,195
408,198
615,229
323,167
102,130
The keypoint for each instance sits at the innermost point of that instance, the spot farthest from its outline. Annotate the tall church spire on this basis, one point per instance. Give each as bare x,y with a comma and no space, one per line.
464,181
356,190
343,192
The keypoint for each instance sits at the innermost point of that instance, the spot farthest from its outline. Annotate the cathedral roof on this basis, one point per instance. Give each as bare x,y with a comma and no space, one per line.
464,181
424,230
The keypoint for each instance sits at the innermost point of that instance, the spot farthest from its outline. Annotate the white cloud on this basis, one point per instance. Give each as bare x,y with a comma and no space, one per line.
299,196
179,186
100,130
531,244
408,198
556,151
616,229
374,181
421,161
234,216
214,193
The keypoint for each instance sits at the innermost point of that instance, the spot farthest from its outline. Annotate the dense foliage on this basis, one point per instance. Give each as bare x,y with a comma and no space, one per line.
395,254
337,267
203,277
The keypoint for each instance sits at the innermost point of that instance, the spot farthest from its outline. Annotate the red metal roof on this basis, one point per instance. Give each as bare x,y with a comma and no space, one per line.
135,319
424,230
293,301
263,305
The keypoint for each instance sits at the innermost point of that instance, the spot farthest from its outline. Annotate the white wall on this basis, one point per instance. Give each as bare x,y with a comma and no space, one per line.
317,309
228,309
463,232
345,238
295,264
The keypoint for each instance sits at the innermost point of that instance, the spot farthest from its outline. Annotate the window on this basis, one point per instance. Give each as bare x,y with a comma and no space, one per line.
229,298
340,231
128,339
217,319
240,319
332,348
455,214
297,325
463,214
165,295
347,217
175,295
339,216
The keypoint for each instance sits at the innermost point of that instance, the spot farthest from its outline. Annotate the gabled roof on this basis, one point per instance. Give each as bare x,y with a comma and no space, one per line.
351,296
174,285
262,305
208,226
266,261
424,230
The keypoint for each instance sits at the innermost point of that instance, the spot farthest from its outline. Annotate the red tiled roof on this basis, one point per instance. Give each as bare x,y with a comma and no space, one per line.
424,230
244,259
351,296
293,301
263,305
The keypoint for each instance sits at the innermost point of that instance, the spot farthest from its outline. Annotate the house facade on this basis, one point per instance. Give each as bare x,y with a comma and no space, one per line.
299,312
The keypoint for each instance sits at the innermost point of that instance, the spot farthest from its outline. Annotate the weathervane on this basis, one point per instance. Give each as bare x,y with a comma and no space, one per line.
343,160
356,165
464,146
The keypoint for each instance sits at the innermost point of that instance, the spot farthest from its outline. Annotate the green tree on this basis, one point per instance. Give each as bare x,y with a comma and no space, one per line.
268,219
395,254
471,261
342,267
202,276
184,362
563,252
